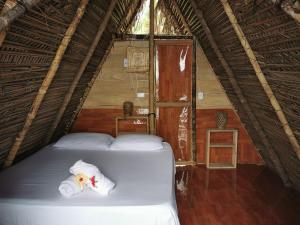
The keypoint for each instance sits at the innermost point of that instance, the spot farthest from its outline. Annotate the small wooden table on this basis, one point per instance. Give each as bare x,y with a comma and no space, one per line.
120,118
232,145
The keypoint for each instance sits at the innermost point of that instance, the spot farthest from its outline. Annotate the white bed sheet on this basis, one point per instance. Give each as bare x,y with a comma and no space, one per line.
144,192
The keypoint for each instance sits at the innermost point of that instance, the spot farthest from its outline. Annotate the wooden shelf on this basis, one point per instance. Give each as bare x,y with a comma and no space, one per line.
220,145
233,146
221,165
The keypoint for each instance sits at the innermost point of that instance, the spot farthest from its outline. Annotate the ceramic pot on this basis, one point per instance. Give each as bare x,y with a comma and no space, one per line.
127,108
221,119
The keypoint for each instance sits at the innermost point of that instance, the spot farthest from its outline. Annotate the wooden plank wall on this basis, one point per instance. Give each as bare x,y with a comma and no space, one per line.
103,121
246,150
115,85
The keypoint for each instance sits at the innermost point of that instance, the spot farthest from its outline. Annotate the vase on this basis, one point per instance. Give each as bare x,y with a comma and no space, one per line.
127,108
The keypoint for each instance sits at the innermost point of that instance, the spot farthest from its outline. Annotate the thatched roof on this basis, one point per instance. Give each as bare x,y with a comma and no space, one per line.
270,29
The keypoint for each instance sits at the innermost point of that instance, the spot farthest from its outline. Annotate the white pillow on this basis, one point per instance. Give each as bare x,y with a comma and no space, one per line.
85,141
137,142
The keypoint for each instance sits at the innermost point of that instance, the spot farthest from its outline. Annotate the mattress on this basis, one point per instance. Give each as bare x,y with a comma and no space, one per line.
144,192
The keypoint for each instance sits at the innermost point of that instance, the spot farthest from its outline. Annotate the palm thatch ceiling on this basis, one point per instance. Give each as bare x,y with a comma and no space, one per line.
242,40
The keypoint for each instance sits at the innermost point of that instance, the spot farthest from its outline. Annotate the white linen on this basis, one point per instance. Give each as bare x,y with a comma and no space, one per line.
69,187
138,142
81,167
144,194
97,181
85,140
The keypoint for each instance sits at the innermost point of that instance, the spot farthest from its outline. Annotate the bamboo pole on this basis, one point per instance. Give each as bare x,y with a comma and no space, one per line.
261,77
125,18
151,71
46,83
131,19
81,70
273,155
95,75
90,85
9,4
182,18
290,7
18,10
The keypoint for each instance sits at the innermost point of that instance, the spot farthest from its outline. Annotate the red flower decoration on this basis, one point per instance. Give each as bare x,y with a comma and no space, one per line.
93,181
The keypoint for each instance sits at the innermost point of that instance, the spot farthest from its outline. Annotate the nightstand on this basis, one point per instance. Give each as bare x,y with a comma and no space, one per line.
232,145
133,124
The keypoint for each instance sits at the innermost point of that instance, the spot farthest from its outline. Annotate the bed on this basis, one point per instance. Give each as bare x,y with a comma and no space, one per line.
144,192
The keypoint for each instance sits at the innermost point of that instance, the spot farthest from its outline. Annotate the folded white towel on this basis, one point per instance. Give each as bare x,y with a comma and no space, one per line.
69,187
81,167
101,184
96,180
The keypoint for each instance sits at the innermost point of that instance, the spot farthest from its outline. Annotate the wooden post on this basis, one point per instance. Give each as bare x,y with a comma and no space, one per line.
151,71
261,77
15,12
46,83
194,101
273,155
81,70
9,4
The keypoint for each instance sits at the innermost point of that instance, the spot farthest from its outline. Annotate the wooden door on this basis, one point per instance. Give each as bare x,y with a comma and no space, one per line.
174,95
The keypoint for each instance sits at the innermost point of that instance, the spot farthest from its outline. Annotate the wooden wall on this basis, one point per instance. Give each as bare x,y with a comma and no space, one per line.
103,121
246,150
207,82
115,85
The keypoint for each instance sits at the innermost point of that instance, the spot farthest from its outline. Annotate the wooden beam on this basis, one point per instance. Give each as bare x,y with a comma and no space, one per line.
173,104
9,4
18,10
131,19
127,18
96,74
151,71
89,86
194,101
261,77
172,15
46,83
182,18
81,70
273,155
291,7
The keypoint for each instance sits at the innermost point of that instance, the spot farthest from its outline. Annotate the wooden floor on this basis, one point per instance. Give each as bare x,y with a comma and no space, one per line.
250,195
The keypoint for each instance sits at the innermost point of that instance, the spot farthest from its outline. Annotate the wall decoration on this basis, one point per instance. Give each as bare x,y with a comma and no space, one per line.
137,59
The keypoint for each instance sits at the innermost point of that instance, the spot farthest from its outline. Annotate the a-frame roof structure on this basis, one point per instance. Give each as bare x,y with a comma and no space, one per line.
51,52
